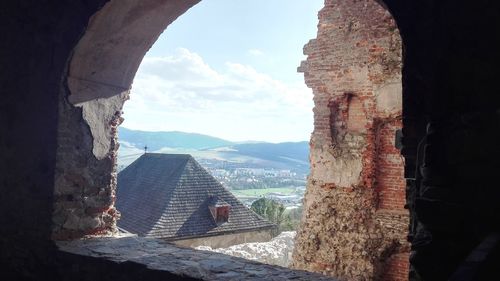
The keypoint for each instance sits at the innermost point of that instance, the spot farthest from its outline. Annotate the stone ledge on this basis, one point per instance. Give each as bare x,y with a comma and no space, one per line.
160,256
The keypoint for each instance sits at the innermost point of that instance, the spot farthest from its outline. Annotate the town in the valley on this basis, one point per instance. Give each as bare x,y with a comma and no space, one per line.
250,183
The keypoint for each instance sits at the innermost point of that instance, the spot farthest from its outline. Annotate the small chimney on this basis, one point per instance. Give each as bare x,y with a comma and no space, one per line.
219,210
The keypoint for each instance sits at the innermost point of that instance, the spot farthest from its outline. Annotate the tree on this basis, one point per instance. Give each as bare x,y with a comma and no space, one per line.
292,219
270,209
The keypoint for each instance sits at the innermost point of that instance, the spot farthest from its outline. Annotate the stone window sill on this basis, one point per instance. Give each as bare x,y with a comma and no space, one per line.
161,257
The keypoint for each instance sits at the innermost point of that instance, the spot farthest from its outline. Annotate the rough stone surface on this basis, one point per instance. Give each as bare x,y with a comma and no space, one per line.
278,251
355,225
159,256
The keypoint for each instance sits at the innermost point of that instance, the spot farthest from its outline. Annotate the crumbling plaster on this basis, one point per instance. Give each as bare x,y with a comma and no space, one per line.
100,115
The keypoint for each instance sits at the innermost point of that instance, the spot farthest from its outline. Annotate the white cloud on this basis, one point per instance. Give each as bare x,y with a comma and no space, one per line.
182,92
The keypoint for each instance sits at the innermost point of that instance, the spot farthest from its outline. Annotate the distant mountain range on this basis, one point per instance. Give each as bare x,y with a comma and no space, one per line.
158,140
286,155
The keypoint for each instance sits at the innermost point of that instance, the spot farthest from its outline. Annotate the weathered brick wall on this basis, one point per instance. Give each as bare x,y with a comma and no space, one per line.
397,266
389,175
355,225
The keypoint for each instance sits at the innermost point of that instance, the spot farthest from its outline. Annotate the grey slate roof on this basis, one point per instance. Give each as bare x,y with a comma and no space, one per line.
167,196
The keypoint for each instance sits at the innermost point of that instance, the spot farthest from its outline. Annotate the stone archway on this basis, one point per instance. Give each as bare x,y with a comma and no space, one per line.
357,85
100,74
355,225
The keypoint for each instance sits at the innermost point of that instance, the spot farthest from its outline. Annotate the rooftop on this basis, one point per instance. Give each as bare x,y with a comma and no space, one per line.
168,196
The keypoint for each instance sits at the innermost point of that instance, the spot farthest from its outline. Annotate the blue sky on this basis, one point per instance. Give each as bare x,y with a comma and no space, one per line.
228,68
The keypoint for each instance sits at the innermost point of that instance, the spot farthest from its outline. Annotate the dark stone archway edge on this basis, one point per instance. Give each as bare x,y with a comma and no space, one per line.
158,258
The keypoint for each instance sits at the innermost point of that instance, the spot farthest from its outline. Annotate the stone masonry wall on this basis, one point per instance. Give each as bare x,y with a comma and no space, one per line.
85,185
355,225
226,240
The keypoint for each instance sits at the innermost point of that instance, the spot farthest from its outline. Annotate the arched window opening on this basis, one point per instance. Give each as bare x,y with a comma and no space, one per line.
219,92
352,205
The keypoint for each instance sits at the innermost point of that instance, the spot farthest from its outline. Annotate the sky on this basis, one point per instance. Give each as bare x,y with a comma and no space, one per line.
228,68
